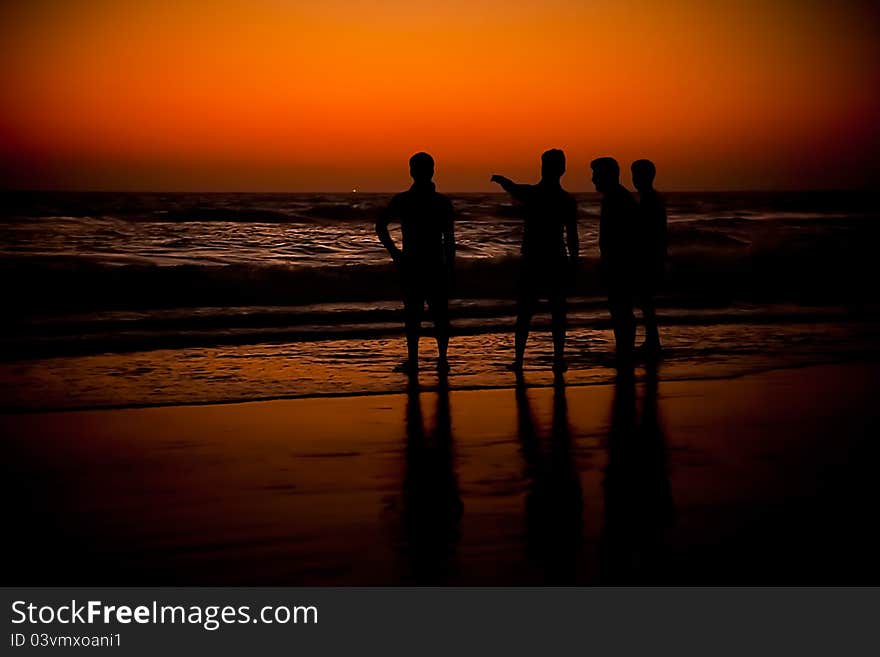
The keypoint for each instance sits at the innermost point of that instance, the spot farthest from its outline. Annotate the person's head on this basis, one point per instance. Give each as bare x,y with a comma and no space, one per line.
606,173
421,167
643,172
552,164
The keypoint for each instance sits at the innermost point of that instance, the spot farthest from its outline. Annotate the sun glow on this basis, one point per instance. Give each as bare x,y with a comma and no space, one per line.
283,95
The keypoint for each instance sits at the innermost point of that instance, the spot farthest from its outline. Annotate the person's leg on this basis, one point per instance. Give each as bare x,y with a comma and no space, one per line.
627,327
620,305
525,308
439,305
413,307
526,302
613,310
652,330
558,310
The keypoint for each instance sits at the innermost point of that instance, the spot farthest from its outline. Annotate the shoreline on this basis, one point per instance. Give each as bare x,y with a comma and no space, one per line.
262,371
53,337
640,370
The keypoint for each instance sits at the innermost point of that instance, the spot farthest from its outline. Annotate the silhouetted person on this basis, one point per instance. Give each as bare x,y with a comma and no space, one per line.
432,506
554,499
618,251
652,250
638,499
426,258
547,267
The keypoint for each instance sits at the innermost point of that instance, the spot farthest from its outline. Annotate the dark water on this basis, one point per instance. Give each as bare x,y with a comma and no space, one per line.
217,245
75,252
191,286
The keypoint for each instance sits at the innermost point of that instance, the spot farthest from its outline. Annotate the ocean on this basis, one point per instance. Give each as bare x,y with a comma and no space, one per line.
156,298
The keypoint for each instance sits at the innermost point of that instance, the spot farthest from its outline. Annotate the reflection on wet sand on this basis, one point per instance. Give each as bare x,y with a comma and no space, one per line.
432,506
368,491
638,499
554,500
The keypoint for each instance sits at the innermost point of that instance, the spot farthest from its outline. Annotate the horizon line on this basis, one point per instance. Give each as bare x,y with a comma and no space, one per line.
791,190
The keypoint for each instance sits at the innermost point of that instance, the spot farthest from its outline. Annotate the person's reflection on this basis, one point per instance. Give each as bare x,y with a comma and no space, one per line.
554,500
432,507
638,499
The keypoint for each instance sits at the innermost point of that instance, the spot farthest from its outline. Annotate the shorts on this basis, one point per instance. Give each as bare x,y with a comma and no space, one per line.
544,279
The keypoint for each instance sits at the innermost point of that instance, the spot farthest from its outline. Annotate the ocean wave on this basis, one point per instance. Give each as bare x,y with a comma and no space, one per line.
806,264
256,215
102,334
149,252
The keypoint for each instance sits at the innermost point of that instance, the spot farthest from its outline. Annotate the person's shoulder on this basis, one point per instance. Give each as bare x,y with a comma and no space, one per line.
622,200
443,202
653,199
569,200
623,195
400,197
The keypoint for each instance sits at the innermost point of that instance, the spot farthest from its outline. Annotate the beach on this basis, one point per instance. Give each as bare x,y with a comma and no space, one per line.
474,327
201,389
762,478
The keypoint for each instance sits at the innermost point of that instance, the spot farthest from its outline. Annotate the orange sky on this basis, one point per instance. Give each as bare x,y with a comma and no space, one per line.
286,95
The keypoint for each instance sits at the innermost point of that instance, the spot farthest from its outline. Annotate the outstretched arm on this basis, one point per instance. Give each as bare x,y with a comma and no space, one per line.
385,218
516,191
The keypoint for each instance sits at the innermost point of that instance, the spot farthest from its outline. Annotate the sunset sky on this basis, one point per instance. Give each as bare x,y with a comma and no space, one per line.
283,95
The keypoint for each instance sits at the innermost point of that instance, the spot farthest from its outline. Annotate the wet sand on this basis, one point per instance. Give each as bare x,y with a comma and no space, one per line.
760,479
